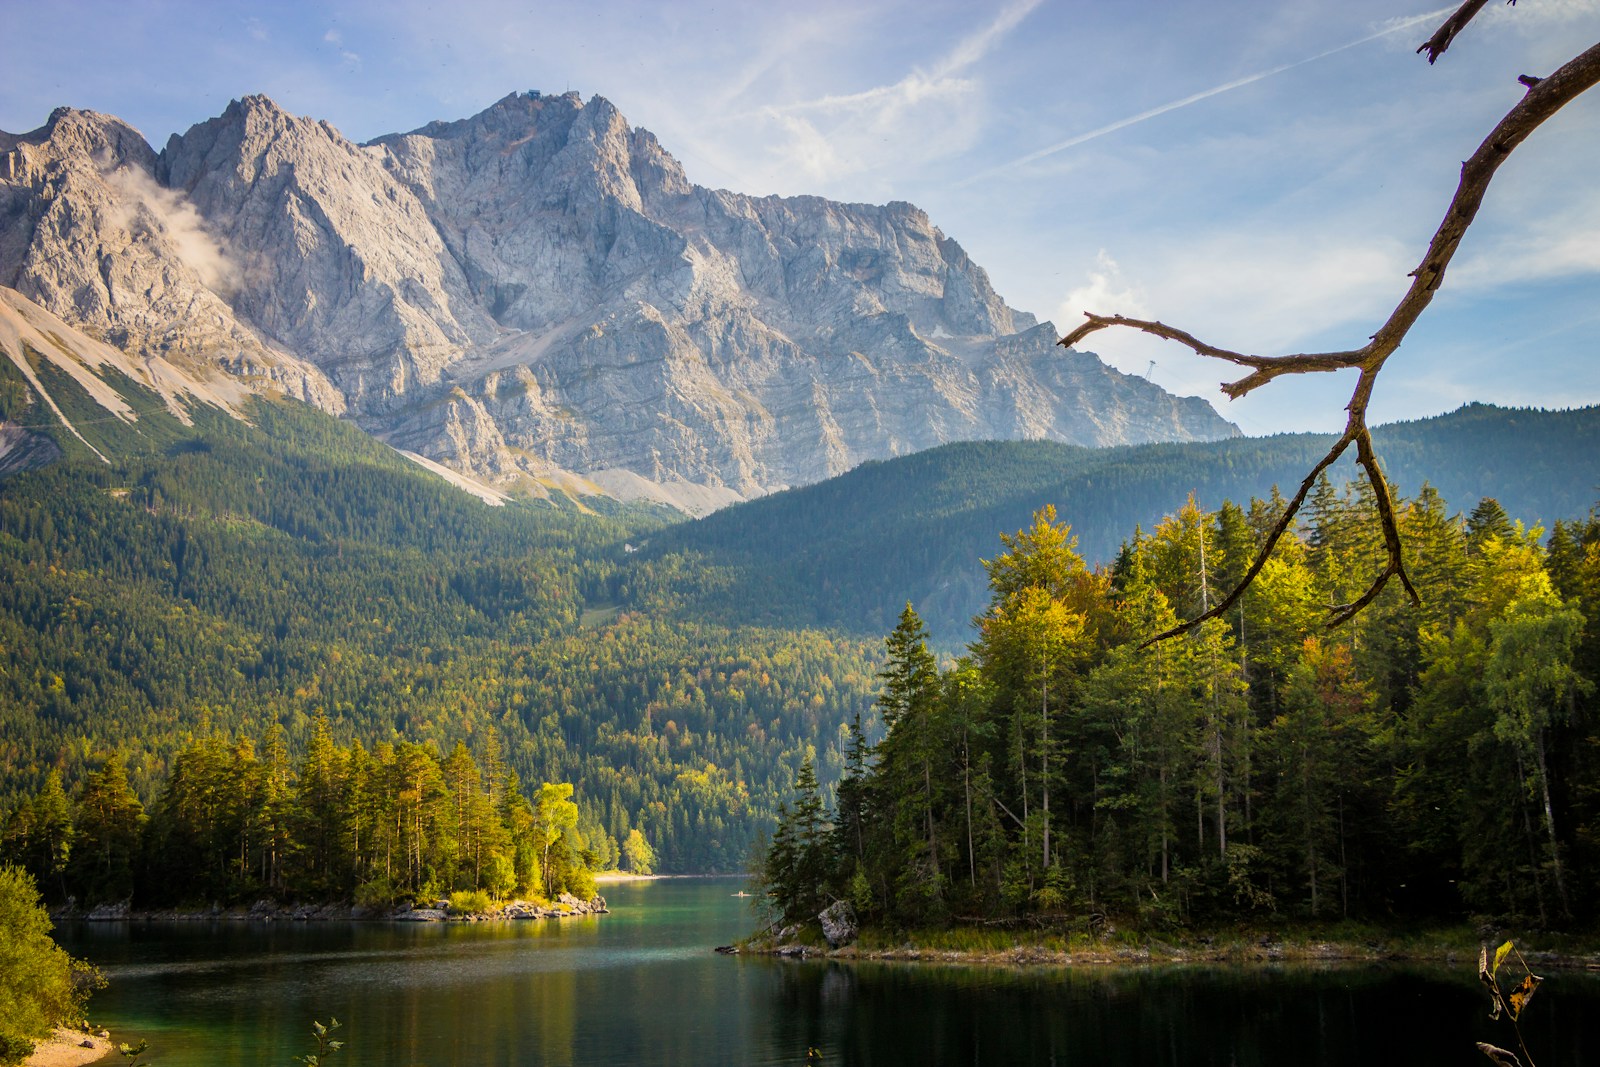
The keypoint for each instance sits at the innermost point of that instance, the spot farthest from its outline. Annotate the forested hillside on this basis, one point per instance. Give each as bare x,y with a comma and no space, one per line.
850,552
216,582
221,587
1425,761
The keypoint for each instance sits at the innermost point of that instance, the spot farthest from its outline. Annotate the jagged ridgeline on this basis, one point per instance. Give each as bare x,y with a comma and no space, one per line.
538,297
851,552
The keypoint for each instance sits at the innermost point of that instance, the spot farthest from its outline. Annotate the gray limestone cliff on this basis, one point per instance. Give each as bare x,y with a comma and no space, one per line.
539,296
88,232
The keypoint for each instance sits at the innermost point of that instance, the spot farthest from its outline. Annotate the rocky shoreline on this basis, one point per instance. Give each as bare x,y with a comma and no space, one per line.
1035,955
836,934
565,906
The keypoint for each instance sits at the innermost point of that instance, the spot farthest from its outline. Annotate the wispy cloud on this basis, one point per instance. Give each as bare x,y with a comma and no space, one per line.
1391,27
973,48
1567,245
931,112
1105,291
918,84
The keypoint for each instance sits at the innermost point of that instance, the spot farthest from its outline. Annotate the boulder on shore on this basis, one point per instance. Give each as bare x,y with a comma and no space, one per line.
839,925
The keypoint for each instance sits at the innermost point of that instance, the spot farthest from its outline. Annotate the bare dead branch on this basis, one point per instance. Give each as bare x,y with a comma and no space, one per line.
1544,98
1444,35
1542,101
1395,565
1266,367
1499,1056
1265,551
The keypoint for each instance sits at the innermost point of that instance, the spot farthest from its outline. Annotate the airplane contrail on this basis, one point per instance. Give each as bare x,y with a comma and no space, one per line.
1205,94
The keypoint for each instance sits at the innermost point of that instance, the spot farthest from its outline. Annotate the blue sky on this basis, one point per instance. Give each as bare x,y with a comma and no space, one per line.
1263,174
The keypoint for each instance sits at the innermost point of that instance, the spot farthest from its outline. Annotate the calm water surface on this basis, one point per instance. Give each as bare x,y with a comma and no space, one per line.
641,985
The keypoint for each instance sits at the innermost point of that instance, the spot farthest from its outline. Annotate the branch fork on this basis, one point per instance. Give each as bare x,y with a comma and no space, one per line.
1545,96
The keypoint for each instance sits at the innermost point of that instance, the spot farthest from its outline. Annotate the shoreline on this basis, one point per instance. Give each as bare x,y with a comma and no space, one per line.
1247,950
1033,956
70,1048
564,906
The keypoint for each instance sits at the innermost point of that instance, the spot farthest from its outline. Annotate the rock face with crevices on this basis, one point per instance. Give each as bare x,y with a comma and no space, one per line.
89,233
539,292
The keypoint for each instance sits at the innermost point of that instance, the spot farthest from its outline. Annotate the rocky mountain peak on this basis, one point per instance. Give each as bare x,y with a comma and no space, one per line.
72,140
252,136
105,138
341,263
88,232
512,118
538,294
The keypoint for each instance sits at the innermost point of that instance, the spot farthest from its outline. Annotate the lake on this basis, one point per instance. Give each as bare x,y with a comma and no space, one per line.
642,986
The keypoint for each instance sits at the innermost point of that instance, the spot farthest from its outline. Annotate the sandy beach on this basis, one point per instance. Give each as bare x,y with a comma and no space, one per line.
66,1048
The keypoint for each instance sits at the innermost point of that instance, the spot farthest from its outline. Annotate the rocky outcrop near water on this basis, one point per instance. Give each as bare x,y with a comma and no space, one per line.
565,906
538,296
839,925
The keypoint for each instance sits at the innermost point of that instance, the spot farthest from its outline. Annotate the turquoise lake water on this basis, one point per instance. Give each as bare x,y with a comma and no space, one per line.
642,986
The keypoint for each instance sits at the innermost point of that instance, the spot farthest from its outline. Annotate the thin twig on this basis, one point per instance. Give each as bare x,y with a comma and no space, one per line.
1499,1056
1444,35
1262,554
1545,97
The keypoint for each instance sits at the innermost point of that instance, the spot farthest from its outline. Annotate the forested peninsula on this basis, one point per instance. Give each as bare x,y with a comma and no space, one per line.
1422,764
237,823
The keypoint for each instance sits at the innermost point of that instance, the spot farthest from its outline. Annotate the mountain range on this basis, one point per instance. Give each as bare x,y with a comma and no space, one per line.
215,354
536,298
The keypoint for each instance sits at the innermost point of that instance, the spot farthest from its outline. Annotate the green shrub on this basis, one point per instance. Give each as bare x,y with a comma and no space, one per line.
471,901
13,1049
377,894
580,883
40,985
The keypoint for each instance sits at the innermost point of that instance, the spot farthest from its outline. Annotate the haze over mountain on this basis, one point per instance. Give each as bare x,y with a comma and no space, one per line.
538,297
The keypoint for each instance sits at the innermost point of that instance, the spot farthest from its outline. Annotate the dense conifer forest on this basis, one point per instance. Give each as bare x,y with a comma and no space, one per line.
251,636
235,822
228,579
1428,761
